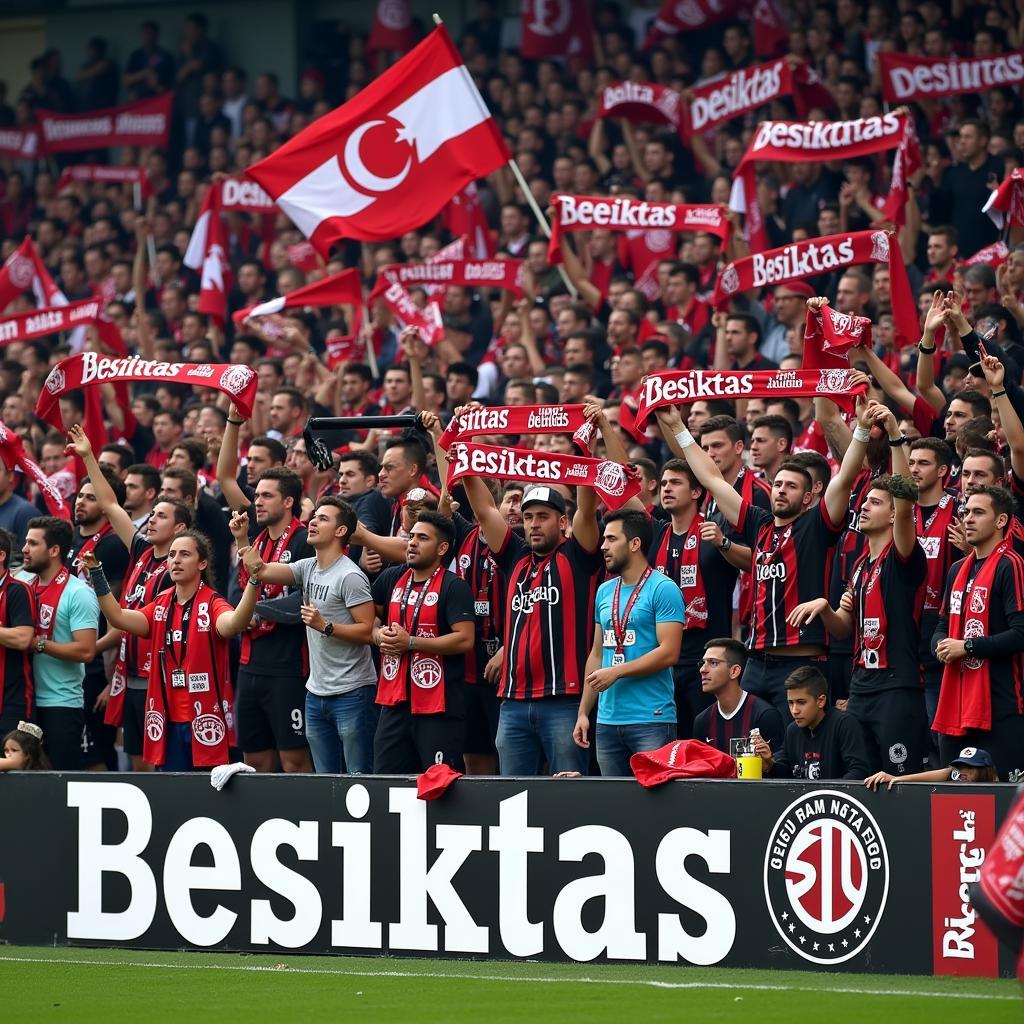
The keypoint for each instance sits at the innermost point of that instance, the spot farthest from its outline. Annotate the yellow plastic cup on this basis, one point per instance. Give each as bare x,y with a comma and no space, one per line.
748,767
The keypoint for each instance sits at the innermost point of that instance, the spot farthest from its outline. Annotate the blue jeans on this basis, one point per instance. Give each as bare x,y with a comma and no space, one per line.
340,731
531,731
616,744
178,748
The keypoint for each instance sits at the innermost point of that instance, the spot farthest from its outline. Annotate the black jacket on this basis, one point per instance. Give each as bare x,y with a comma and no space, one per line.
835,750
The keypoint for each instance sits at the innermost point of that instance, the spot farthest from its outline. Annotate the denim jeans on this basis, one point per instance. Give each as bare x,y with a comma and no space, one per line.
178,748
340,731
532,731
616,744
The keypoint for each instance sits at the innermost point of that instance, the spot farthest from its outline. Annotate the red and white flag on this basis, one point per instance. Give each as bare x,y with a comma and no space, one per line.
995,255
24,270
207,253
392,27
771,29
837,332
245,196
464,216
344,289
641,102
557,28
12,453
1006,203
677,16
428,321
906,162
19,143
390,158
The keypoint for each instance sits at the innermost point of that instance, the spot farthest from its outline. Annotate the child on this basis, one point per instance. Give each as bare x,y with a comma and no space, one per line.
23,750
972,765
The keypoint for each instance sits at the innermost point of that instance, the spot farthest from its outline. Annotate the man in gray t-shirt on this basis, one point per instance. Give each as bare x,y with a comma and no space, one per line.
338,610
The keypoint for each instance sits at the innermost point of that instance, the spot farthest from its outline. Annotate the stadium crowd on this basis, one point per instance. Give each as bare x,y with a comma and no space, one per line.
849,587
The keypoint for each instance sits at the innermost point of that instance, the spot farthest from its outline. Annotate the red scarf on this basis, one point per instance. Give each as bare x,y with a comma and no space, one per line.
641,102
415,677
474,564
965,698
47,599
748,481
90,545
12,452
206,665
933,536
504,274
871,622
837,332
270,550
906,77
145,581
687,572
522,419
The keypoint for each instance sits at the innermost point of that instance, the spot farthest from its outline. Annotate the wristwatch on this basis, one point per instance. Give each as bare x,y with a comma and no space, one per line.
725,545
40,645
329,629
969,646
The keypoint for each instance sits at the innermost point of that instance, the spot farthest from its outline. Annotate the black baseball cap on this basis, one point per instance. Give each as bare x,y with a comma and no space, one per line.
544,496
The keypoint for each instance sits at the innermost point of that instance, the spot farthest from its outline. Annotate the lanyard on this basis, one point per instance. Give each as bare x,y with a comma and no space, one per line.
768,557
177,661
619,627
421,597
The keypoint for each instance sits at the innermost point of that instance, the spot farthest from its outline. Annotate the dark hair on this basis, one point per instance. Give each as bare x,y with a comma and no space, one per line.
999,467
278,452
368,462
688,270
295,397
204,549
980,405
941,449
584,370
735,652
791,411
32,747
679,466
441,524
795,467
6,547
412,450
182,512
807,677
115,482
727,424
635,525
176,415
150,475
57,533
289,483
778,425
360,370
815,463
463,369
750,325
1002,500
346,513
189,481
124,455
194,449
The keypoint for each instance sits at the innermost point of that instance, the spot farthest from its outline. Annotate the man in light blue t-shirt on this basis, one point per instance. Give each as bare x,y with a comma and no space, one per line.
67,620
639,616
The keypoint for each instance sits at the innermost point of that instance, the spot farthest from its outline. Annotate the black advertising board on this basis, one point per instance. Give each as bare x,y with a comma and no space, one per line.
737,874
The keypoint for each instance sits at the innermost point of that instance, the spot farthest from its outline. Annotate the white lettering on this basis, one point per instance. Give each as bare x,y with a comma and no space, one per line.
265,925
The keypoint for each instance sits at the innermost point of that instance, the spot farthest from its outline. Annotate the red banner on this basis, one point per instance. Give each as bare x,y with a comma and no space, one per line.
614,483
504,274
557,28
963,831
619,213
688,16
680,387
994,254
245,196
427,321
19,143
37,323
104,173
906,78
146,123
836,332
641,102
475,421
12,450
236,381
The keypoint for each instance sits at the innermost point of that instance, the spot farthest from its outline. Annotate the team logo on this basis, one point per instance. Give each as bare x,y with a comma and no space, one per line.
429,600
45,615
879,246
426,673
898,753
235,379
465,562
691,542
389,666
833,381
730,280
979,595
55,380
611,478
973,629
658,240
160,613
286,556
560,12
117,684
21,271
696,612
203,617
931,547
154,724
826,877
208,730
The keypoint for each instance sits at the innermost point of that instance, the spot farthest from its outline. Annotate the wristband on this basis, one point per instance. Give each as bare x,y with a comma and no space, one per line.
862,434
999,394
253,581
100,585
902,439
685,438
236,423
920,348
410,644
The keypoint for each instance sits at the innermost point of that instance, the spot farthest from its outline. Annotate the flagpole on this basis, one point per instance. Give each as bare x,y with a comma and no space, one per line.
367,331
532,202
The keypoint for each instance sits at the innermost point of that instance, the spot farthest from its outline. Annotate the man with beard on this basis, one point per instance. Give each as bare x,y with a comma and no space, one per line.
980,639
94,534
426,616
402,471
693,553
638,615
791,546
147,549
67,618
337,613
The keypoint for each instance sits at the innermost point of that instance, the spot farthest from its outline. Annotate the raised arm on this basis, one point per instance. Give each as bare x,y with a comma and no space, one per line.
232,623
837,494
926,386
117,517
589,292
597,148
614,449
227,464
528,338
492,523
706,472
1009,420
119,618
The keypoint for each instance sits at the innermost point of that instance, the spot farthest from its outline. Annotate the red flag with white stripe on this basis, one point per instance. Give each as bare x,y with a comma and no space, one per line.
23,271
207,253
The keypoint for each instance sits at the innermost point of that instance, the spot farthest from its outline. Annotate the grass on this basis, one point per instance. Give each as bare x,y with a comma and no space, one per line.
83,985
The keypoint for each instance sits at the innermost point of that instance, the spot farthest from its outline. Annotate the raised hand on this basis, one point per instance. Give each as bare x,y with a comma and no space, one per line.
78,443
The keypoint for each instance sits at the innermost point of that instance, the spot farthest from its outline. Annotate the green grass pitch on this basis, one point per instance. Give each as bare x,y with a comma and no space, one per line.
83,985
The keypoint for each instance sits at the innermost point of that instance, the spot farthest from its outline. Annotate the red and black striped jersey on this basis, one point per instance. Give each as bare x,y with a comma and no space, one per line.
549,613
474,564
789,568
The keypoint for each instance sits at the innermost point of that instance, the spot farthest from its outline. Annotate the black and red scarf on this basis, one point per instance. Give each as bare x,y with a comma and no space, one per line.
269,550
686,572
